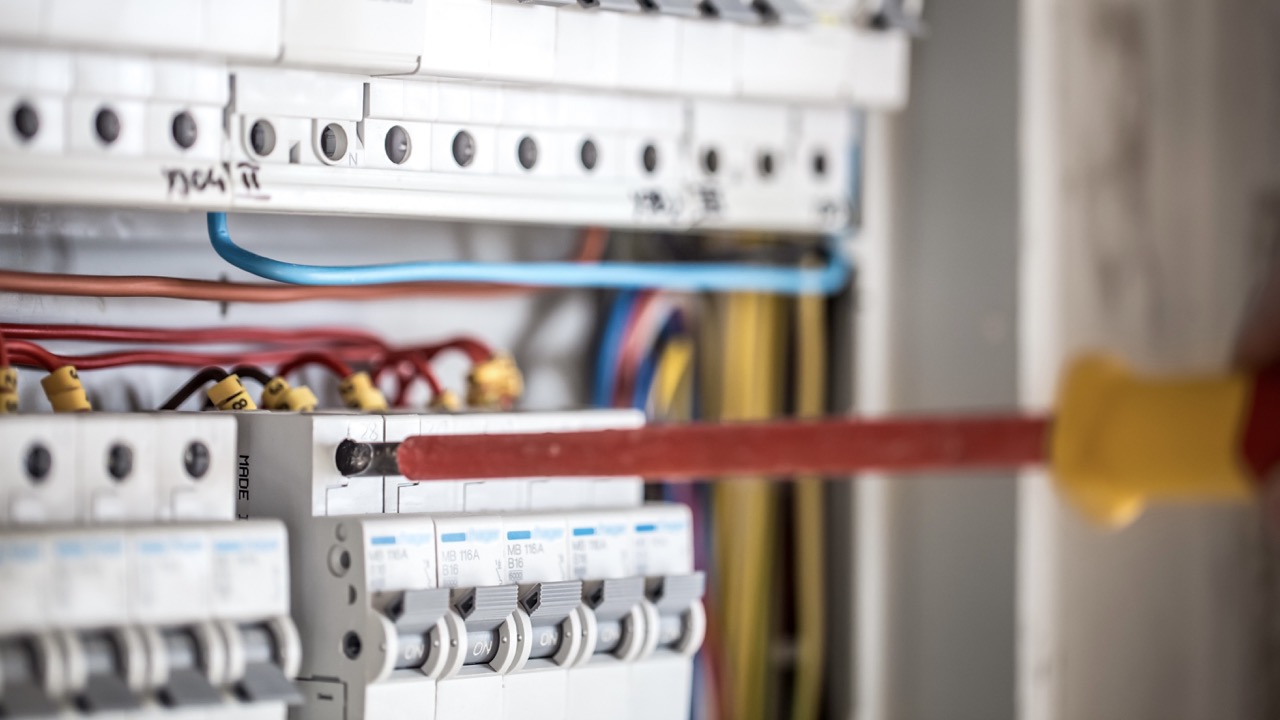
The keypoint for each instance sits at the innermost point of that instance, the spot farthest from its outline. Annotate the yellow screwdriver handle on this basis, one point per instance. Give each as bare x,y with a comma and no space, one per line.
1120,439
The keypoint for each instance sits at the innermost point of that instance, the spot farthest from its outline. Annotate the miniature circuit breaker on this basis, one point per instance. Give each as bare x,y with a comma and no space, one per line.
126,587
534,598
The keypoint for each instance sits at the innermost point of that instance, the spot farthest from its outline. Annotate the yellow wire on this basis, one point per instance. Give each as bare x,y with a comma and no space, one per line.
744,507
672,386
810,394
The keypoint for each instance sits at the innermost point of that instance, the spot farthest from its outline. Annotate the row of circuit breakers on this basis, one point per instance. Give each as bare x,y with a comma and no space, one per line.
720,113
213,566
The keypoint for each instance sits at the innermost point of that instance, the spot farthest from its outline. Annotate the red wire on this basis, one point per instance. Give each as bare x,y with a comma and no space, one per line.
417,360
477,351
4,350
405,373
627,365
25,353
32,355
220,335
328,360
29,354
429,375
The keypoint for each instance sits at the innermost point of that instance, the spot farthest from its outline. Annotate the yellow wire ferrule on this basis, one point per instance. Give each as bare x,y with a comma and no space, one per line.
279,395
359,393
445,401
273,393
299,399
64,390
230,394
495,383
8,390
1120,440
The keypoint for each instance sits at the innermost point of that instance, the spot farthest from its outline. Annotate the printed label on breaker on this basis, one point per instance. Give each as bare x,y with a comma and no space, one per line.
399,555
168,576
470,552
90,579
250,570
24,578
600,550
663,545
536,550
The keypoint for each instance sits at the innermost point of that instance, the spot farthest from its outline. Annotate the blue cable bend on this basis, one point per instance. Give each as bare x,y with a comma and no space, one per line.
688,277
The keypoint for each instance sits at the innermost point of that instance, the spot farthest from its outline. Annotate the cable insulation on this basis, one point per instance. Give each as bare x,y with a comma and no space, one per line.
151,286
689,277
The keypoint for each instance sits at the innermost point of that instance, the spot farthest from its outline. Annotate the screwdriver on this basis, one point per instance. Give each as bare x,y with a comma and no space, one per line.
1115,441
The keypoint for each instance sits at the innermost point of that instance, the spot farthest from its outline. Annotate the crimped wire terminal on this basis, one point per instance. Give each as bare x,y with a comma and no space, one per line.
65,393
495,383
279,395
230,394
8,390
359,393
445,401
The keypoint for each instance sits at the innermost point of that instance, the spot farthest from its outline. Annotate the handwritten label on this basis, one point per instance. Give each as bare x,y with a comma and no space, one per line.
241,179
709,196
655,202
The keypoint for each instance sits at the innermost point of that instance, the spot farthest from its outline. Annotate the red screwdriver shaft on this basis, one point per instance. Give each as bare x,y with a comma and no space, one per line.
702,450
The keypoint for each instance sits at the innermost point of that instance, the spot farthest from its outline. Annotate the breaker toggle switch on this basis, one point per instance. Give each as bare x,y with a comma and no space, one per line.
29,669
190,655
426,630
679,8
730,10
784,12
682,621
619,616
615,5
266,663
496,635
557,620
112,663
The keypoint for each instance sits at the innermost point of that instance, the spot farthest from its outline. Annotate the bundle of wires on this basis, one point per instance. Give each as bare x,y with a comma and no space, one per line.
679,357
246,350
646,360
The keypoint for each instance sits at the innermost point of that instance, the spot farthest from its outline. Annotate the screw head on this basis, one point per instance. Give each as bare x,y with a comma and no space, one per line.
711,161
184,130
195,458
262,137
333,142
107,125
649,158
39,463
589,154
464,148
26,121
351,645
397,145
820,164
766,164
527,152
119,461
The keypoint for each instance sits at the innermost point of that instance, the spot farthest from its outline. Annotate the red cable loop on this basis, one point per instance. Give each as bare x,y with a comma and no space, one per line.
328,360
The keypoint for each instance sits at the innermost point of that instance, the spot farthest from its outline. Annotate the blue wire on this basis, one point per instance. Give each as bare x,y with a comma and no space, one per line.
689,277
610,342
648,369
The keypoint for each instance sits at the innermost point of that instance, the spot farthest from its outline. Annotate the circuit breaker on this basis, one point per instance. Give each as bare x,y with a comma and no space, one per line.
128,588
477,599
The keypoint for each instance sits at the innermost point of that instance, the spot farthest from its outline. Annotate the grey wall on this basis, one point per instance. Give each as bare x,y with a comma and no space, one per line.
955,267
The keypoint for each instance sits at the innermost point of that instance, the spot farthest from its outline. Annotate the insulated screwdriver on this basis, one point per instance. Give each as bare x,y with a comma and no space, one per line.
1115,440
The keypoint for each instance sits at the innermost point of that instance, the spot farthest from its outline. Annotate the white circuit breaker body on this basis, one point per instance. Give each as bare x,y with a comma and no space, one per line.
476,599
